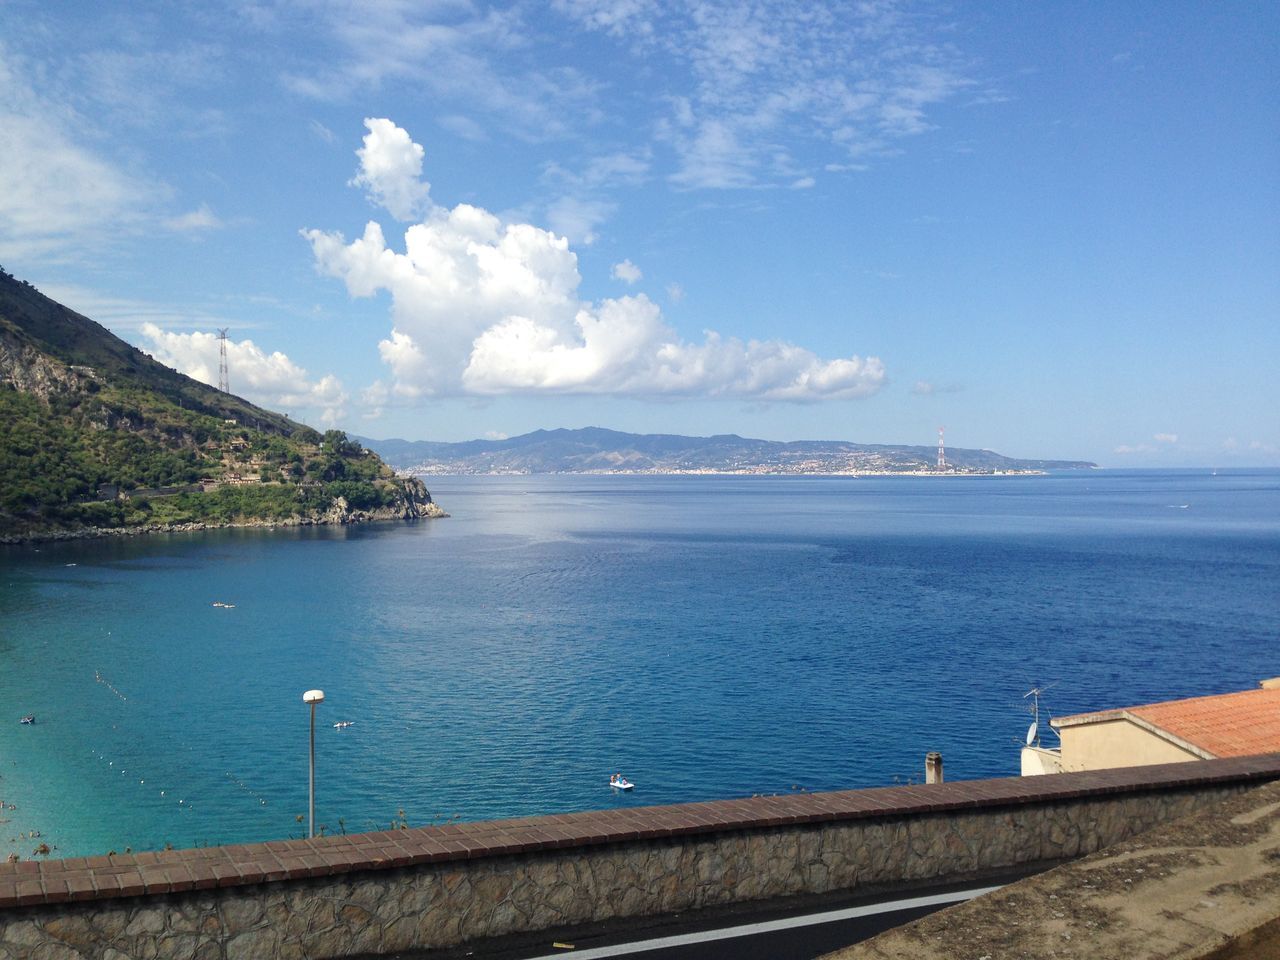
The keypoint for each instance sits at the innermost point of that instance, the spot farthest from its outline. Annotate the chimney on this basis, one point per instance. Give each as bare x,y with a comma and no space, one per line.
933,767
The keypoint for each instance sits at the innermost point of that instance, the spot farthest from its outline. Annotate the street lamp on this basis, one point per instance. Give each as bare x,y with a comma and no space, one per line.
312,697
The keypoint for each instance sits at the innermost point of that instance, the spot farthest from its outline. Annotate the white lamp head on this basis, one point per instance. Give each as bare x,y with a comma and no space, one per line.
313,696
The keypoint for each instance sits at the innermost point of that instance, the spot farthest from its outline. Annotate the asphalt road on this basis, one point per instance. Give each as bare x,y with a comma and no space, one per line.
796,937
780,930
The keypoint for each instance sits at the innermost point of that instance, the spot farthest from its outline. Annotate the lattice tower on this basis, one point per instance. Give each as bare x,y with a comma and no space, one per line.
223,383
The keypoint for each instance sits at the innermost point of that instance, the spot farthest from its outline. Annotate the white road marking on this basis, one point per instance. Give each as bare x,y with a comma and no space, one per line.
752,929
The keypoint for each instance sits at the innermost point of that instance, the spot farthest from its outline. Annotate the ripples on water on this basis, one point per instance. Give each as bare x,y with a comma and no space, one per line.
709,637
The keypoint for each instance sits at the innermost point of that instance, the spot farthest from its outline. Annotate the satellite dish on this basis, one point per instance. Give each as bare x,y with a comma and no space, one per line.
1031,732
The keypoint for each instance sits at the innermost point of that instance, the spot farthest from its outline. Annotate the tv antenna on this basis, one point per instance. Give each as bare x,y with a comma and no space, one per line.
1033,731
223,384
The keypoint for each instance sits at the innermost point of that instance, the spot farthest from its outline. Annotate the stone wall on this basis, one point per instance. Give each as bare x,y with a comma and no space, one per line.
440,886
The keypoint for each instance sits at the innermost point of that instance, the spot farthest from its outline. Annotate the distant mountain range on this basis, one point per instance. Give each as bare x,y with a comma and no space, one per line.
597,450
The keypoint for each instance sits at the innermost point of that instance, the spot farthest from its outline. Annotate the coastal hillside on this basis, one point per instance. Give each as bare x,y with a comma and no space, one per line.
595,450
97,436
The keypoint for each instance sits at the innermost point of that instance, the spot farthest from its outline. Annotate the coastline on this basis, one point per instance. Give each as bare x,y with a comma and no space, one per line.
428,511
730,473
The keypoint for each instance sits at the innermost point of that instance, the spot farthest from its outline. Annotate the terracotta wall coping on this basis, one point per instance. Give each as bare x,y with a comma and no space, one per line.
31,882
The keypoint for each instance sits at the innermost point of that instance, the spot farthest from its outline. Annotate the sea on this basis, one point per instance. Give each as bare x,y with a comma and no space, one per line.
706,636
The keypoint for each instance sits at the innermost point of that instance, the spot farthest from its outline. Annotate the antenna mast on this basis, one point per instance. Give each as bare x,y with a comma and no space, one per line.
942,451
1033,734
222,360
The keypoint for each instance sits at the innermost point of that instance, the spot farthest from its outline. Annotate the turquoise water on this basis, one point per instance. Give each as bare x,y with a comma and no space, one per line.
708,636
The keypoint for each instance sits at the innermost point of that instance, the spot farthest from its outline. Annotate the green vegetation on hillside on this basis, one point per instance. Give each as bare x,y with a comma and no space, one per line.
95,433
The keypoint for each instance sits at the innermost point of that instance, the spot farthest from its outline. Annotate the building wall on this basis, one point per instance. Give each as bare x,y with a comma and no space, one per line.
438,887
1038,760
1116,743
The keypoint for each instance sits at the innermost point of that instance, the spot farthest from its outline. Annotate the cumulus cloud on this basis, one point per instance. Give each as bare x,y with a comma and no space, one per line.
271,379
1165,438
483,307
391,170
627,272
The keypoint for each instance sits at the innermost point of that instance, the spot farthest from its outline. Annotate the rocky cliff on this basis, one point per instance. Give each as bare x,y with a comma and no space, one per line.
416,504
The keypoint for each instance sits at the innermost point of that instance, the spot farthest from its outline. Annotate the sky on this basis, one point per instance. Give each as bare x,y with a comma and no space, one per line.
1052,229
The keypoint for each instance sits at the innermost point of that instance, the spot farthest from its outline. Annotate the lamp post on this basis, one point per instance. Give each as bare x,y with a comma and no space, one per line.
312,697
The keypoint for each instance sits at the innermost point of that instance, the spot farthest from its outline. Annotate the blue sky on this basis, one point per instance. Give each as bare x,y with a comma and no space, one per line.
1052,228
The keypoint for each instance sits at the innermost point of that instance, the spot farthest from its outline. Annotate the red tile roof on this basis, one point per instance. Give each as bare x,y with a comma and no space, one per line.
1226,725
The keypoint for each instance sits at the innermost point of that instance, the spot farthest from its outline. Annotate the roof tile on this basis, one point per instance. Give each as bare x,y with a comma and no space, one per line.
1227,725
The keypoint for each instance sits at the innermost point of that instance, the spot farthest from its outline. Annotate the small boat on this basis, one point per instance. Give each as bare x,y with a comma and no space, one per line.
29,718
224,606
620,783
343,724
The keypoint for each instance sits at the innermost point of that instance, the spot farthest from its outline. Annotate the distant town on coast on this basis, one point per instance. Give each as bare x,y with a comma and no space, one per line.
599,451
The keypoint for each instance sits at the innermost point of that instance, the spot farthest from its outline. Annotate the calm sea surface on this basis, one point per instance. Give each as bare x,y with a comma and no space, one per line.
709,637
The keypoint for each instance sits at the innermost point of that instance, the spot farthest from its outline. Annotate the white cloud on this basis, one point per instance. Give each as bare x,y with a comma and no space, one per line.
772,76
201,218
619,168
617,17
1126,449
271,379
463,126
494,435
115,313
927,388
450,53
55,191
578,218
322,132
804,183
70,179
675,292
1165,438
627,272
374,399
391,170
581,206
481,306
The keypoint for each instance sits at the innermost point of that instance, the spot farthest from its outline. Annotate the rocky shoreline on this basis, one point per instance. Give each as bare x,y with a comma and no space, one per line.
338,513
